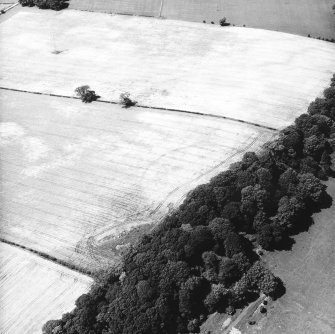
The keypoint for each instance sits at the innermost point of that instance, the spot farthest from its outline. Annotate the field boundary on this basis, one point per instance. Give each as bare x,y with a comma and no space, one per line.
8,8
48,257
149,107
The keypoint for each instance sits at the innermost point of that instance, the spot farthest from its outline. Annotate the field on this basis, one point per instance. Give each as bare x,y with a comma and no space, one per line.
28,283
75,174
249,74
75,177
6,4
300,17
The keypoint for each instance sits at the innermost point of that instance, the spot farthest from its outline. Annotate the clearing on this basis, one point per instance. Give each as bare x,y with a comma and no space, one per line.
28,283
76,175
249,74
308,272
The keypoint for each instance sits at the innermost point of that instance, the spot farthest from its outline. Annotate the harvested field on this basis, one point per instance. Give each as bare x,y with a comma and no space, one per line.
308,273
249,74
76,175
33,291
300,17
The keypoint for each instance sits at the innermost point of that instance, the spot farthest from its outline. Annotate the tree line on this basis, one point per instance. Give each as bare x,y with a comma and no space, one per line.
201,258
45,4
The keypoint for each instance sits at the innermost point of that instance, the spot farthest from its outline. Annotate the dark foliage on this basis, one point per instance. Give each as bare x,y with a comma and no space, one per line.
223,22
126,101
46,4
85,94
198,260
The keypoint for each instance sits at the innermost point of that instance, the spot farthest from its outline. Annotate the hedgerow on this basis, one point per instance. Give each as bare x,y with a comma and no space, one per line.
200,259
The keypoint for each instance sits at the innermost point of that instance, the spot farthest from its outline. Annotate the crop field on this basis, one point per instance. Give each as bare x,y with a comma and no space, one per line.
302,17
75,175
33,290
249,74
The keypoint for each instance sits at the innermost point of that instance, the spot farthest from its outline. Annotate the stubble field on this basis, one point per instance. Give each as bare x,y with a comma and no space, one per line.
34,290
248,74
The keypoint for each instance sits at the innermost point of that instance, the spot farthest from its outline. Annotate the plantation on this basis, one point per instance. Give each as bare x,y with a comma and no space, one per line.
252,75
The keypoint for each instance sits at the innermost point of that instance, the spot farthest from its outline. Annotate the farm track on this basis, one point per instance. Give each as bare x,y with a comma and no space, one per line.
149,107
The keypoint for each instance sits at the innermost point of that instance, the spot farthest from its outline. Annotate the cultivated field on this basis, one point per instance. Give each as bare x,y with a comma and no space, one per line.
249,74
33,291
75,175
300,17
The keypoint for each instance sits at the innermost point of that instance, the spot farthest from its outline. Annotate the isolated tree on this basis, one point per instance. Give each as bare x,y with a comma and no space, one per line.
126,101
223,22
85,94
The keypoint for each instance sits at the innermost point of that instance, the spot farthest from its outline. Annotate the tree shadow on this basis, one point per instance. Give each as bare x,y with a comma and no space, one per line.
280,291
65,5
302,225
285,244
